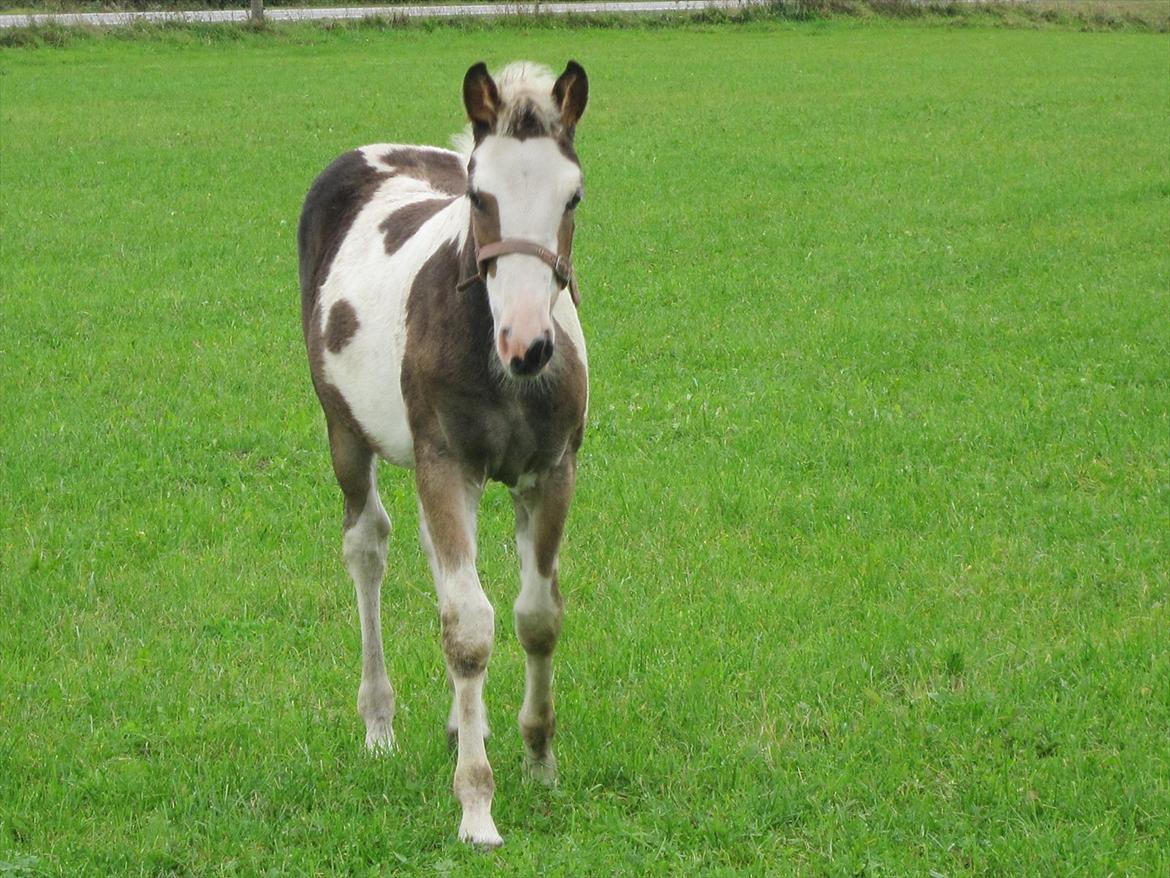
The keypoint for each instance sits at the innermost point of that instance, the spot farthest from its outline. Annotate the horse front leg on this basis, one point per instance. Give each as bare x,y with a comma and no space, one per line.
449,500
428,545
539,608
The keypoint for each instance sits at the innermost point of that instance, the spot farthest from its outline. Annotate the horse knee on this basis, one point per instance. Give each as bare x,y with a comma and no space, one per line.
468,628
364,549
381,524
538,626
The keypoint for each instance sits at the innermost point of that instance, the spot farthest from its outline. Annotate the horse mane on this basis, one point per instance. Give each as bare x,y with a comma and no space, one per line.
527,108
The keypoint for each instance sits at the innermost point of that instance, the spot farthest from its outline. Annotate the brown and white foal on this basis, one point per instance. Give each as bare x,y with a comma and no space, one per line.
439,312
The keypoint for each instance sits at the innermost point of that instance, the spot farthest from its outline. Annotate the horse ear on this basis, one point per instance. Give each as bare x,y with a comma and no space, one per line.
571,91
482,100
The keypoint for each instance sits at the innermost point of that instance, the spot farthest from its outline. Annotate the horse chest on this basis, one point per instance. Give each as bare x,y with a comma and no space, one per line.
506,439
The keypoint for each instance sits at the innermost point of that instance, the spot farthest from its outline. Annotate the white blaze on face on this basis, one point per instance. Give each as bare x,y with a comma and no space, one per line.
532,183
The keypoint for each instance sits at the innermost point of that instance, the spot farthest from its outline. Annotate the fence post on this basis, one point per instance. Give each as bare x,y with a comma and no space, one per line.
257,11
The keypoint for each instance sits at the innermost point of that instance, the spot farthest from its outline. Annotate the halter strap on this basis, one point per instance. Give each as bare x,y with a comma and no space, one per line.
562,266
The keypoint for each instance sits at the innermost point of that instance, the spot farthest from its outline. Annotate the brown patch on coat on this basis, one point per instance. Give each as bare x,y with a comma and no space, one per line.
466,658
526,121
442,171
341,327
442,484
538,633
565,234
565,145
459,404
405,222
556,492
539,735
485,224
474,781
353,465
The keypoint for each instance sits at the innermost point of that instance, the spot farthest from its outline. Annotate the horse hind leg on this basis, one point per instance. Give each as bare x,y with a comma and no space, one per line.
367,528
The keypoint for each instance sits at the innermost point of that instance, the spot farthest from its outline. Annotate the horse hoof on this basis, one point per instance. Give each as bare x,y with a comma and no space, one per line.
542,771
380,736
480,834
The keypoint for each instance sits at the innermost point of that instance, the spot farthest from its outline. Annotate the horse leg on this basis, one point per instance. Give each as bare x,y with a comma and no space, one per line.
364,546
540,520
449,500
424,535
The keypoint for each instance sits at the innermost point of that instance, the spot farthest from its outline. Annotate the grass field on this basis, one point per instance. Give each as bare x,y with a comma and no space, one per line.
867,572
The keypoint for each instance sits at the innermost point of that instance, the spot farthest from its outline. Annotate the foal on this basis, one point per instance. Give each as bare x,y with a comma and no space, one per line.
440,337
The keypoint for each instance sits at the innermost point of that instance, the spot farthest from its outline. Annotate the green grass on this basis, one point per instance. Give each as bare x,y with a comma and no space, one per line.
867,572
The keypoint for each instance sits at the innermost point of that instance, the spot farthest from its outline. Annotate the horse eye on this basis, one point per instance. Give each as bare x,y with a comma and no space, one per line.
475,200
574,201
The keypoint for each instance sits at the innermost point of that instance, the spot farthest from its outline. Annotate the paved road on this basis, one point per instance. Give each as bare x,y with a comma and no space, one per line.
114,19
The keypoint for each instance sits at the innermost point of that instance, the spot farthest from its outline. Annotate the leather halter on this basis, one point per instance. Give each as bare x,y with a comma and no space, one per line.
562,266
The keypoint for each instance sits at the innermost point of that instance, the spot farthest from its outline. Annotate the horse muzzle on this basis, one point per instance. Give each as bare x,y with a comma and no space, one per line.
525,359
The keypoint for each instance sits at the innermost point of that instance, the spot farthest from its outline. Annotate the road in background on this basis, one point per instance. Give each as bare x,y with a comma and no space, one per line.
117,19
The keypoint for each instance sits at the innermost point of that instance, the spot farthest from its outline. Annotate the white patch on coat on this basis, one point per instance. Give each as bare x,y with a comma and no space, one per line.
565,314
463,142
367,371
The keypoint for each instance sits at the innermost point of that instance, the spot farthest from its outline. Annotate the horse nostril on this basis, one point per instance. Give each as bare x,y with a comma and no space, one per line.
539,353
535,359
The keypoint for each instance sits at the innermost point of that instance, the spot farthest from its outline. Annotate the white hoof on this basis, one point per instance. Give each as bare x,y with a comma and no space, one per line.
375,705
543,771
480,832
380,735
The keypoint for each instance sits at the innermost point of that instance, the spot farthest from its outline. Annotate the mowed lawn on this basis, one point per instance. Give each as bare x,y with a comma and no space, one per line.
867,573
